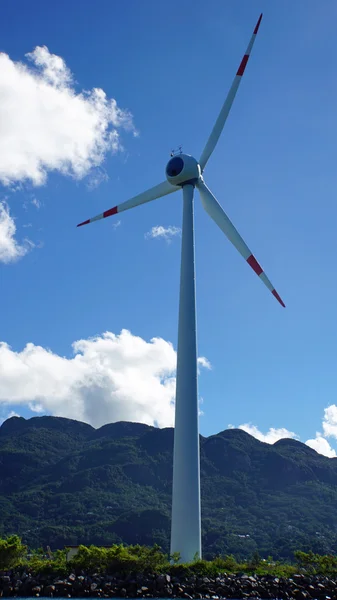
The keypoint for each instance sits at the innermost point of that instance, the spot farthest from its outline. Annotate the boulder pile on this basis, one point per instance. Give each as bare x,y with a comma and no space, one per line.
237,587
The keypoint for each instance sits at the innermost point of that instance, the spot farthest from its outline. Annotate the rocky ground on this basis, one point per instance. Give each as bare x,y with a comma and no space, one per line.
225,586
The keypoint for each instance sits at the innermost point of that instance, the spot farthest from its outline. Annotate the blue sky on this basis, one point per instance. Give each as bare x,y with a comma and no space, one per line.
273,171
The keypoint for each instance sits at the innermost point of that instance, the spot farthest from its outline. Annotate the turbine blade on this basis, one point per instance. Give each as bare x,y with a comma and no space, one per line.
215,211
158,191
221,120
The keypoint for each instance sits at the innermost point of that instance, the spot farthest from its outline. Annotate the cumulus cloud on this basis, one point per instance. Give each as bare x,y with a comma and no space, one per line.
10,249
46,124
321,445
330,421
329,425
109,378
160,232
272,436
113,378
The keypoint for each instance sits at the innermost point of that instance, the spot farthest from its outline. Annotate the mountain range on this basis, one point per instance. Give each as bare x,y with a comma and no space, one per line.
64,482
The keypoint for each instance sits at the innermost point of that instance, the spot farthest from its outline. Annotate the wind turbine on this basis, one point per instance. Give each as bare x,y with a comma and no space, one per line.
186,173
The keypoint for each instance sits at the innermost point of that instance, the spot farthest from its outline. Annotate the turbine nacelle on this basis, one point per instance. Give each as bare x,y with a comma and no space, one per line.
181,169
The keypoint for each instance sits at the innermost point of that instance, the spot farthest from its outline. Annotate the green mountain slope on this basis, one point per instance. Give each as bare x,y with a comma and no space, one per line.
64,482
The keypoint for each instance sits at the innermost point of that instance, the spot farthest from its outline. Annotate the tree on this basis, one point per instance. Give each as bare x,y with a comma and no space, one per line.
11,552
255,561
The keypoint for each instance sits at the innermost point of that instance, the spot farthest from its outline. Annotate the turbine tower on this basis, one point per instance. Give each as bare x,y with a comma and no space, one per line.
183,172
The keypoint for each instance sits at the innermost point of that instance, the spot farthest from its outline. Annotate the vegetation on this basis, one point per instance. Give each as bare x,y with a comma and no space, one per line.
12,552
314,564
65,483
144,560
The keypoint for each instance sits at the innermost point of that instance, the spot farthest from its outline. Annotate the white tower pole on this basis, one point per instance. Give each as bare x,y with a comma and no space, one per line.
186,518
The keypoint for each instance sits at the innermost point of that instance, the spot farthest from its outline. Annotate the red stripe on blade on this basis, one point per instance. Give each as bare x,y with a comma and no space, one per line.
84,223
274,292
258,25
243,65
251,260
111,211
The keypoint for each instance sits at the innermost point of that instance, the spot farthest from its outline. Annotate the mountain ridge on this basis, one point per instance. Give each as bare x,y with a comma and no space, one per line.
65,482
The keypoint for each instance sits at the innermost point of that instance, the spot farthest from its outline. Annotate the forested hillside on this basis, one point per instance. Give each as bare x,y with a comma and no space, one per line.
64,482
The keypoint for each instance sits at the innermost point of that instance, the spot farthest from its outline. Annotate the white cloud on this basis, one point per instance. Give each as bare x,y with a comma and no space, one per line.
10,249
330,421
321,445
204,362
35,407
166,233
35,202
45,124
31,200
97,176
272,436
116,224
109,378
11,414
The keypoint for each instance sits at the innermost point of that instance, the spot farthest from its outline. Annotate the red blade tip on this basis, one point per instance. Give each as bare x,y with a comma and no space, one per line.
274,292
258,24
84,223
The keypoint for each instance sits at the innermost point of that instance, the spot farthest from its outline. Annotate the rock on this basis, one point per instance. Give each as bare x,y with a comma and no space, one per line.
167,591
49,590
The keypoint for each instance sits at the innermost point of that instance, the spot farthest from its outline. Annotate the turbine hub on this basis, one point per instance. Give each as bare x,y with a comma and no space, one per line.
181,169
